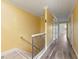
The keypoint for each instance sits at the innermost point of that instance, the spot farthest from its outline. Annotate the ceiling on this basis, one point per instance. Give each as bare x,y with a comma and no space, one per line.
59,8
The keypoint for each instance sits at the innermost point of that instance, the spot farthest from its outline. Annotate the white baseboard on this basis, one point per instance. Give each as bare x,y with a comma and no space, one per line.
50,43
20,52
8,51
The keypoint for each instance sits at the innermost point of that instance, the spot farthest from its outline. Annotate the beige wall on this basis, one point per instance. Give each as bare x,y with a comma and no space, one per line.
75,25
42,24
17,23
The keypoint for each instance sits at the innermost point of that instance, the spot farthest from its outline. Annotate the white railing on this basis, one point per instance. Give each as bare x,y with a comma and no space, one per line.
39,34
38,43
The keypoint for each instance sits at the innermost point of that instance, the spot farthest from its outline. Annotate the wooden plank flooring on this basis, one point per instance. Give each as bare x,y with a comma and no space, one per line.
60,50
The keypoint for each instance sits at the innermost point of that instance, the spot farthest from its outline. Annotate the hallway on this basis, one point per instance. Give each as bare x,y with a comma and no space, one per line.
61,49
39,29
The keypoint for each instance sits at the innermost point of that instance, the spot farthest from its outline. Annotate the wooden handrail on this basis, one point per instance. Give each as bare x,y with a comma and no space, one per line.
29,43
26,41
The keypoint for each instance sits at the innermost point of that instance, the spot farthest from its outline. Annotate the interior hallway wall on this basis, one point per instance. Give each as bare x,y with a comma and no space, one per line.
75,27
42,24
17,23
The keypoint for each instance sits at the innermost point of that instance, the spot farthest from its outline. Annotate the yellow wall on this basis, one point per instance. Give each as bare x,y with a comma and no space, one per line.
75,25
17,23
42,22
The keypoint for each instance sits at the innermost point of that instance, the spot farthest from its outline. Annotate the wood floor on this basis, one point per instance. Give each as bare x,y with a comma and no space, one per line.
60,50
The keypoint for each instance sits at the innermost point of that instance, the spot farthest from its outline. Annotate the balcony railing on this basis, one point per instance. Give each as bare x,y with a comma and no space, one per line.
38,43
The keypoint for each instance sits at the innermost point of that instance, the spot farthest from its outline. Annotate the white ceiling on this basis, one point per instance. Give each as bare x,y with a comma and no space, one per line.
60,8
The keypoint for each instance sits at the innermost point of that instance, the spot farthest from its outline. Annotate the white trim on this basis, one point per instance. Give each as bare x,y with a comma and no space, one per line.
39,34
39,55
46,35
50,43
17,51
8,51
